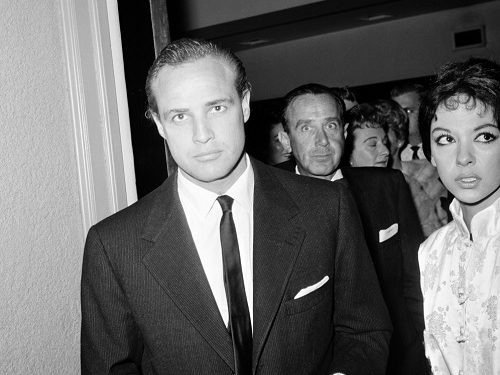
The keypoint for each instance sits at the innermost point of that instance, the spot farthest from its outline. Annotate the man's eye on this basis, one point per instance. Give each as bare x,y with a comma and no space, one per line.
218,108
179,117
486,137
331,125
305,128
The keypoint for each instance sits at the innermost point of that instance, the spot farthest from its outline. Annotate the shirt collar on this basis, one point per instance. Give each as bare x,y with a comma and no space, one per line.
336,176
202,200
484,224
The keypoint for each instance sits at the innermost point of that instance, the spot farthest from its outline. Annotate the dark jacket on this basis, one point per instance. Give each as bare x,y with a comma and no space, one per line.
383,199
147,306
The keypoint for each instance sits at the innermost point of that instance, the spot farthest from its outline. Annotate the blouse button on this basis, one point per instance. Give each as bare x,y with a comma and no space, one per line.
461,337
461,296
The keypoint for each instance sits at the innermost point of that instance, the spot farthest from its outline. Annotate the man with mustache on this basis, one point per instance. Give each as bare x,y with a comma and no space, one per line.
313,119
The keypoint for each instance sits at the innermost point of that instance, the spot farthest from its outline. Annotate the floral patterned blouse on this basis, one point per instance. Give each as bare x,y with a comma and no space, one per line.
460,280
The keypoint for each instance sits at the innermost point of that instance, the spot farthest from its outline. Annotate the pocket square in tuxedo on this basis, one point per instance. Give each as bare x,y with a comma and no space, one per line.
385,234
305,291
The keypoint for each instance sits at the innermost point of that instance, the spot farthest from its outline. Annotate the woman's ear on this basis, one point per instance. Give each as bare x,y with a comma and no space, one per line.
285,141
433,162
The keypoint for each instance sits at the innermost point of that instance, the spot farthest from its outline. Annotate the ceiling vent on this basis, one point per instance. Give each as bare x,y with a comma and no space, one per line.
469,38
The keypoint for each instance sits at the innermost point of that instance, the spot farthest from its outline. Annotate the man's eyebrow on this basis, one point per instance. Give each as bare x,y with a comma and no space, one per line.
174,111
219,101
302,122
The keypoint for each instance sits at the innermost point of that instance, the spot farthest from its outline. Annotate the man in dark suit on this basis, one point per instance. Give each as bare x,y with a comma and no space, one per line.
230,266
313,119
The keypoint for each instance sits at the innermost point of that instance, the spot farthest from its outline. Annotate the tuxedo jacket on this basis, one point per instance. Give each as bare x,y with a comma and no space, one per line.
147,307
393,235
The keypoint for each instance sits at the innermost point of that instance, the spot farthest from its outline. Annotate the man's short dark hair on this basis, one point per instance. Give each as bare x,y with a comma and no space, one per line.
314,89
406,87
393,117
474,80
187,50
344,93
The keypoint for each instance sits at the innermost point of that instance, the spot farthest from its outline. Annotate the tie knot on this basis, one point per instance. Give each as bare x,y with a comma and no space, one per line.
225,202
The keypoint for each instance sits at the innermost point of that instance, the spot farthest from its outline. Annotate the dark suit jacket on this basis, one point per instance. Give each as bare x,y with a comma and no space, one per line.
147,306
383,199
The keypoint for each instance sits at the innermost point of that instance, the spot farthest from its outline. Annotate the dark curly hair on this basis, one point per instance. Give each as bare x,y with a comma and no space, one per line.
393,117
469,82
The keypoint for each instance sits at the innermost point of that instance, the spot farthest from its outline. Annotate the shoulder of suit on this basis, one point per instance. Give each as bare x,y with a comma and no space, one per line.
371,172
135,214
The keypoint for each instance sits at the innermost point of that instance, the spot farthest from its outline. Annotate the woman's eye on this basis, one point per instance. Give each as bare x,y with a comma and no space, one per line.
444,139
486,137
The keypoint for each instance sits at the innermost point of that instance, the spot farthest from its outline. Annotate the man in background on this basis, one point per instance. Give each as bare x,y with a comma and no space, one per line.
313,119
231,266
429,194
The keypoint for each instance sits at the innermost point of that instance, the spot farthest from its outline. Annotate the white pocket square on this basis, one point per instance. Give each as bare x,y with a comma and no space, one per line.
385,234
311,288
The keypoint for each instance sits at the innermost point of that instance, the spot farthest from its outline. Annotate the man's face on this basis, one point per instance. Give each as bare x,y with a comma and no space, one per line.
315,135
410,102
201,116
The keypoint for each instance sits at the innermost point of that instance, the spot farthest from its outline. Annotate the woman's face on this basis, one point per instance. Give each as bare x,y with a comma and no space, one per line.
465,148
370,148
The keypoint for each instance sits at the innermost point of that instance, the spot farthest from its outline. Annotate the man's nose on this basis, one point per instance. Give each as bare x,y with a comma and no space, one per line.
202,133
321,138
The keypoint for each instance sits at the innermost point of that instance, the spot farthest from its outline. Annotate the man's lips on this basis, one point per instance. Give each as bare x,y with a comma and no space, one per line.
207,156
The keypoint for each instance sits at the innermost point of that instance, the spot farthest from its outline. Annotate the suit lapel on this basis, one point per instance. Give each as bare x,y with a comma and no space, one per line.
276,246
174,262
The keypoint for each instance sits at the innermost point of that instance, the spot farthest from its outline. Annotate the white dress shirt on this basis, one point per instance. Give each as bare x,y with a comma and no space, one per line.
336,176
203,214
407,153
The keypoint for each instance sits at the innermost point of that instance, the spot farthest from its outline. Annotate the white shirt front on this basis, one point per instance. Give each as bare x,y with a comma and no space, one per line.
407,153
460,282
203,213
336,176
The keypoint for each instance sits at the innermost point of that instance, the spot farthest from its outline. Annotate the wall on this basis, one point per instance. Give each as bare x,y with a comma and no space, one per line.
62,168
41,223
406,48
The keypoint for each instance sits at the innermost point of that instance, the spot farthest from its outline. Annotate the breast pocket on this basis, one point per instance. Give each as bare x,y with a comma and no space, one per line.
307,302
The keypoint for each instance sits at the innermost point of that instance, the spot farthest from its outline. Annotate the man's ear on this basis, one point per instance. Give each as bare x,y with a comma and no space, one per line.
245,105
433,162
159,126
284,139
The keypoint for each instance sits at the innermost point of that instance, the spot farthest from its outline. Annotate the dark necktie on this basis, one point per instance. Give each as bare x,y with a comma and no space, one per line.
239,316
414,156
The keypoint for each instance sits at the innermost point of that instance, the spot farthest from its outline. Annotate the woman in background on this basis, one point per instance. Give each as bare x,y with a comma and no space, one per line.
365,139
460,262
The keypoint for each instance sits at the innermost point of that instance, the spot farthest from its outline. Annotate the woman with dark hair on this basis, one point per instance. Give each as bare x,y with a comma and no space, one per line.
460,262
365,139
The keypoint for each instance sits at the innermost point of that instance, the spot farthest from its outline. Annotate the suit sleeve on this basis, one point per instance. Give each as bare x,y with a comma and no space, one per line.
362,324
110,341
411,237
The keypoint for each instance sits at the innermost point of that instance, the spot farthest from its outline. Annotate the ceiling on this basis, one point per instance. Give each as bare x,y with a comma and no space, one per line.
305,21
